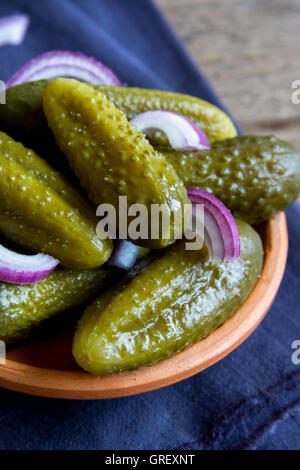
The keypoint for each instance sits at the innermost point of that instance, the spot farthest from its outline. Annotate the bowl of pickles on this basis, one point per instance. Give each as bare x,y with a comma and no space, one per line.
142,239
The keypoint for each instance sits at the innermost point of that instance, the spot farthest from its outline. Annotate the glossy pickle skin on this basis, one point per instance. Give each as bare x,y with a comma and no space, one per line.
110,156
24,307
253,182
23,109
178,299
254,176
42,212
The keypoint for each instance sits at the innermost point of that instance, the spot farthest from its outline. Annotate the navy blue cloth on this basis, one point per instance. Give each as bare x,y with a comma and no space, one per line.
249,400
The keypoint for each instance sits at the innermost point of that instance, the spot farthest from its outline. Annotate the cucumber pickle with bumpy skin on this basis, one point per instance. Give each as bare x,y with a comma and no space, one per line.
42,212
254,176
111,157
23,109
24,307
132,101
181,296
178,299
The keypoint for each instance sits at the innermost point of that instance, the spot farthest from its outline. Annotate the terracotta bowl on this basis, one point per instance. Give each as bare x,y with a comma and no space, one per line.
47,368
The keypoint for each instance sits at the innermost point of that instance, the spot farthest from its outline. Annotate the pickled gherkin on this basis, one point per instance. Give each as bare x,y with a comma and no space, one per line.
132,101
42,212
175,301
23,109
25,307
111,157
254,176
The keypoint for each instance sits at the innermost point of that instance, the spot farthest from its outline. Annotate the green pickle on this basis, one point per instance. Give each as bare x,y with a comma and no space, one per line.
42,212
170,299
23,308
111,157
132,101
178,299
254,176
23,109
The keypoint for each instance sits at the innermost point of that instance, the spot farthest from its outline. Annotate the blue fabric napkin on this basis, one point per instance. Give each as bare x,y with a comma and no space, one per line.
249,400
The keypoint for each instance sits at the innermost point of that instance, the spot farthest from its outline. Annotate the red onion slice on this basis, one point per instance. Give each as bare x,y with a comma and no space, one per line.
182,133
64,64
13,29
124,255
23,269
220,230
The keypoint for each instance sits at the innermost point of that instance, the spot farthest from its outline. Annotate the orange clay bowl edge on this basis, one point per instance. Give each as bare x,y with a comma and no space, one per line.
77,384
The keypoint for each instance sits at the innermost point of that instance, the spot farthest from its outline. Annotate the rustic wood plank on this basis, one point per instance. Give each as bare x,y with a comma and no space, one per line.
250,50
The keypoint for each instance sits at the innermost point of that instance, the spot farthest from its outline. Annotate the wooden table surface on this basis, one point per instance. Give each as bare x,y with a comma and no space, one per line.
250,50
